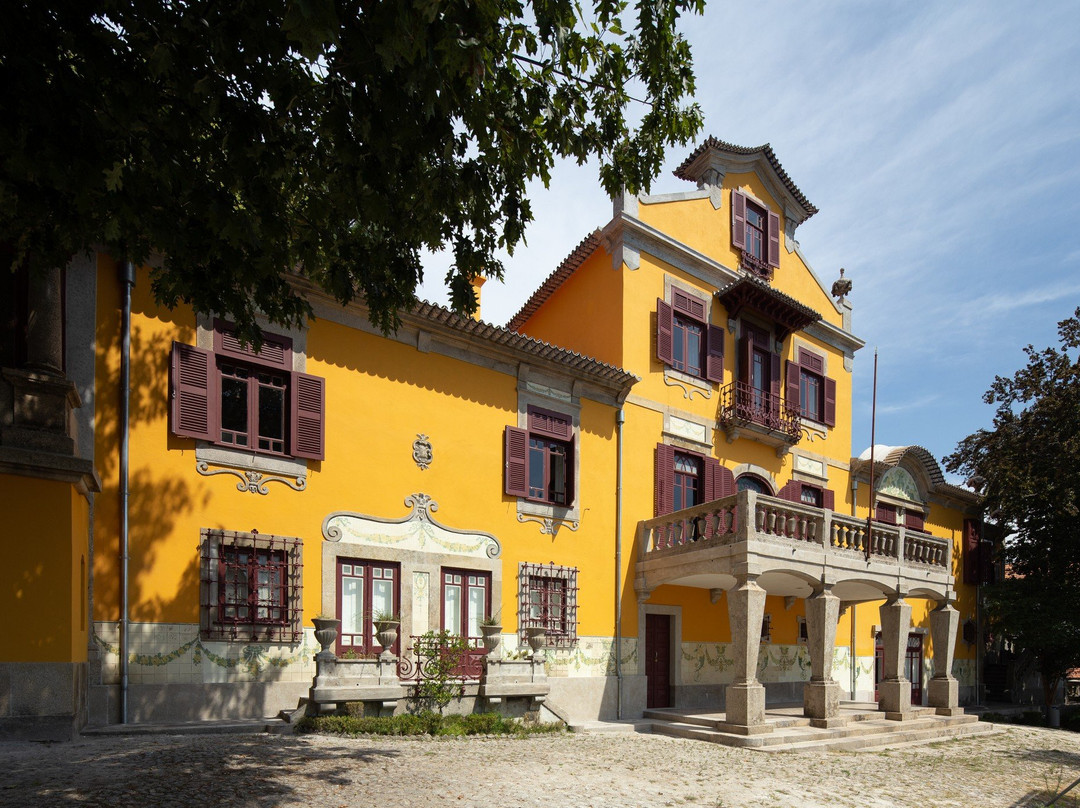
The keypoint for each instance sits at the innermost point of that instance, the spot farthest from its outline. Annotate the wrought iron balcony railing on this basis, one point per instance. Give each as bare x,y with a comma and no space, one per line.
742,404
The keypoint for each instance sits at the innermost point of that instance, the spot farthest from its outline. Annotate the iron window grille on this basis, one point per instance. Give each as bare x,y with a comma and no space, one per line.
547,599
250,586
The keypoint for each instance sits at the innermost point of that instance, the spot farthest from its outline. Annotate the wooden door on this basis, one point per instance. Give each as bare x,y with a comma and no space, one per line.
658,660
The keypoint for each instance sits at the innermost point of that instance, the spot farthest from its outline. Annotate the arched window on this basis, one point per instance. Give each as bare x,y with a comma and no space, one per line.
751,482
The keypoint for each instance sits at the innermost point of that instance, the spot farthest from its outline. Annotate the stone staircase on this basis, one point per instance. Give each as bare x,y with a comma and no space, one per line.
858,728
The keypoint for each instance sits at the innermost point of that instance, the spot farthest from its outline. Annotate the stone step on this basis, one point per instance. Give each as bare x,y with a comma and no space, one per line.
865,732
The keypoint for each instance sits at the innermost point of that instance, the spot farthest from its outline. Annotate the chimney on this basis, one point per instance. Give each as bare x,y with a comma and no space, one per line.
477,282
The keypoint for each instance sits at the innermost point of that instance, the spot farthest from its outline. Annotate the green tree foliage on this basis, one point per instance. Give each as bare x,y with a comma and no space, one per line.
335,138
1028,467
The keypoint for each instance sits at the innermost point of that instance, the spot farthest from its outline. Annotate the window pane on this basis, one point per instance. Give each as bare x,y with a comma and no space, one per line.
271,413
537,476
678,342
234,410
558,474
452,608
477,603
352,605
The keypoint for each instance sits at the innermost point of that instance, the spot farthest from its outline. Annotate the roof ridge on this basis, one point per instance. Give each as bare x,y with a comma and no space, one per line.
766,149
567,267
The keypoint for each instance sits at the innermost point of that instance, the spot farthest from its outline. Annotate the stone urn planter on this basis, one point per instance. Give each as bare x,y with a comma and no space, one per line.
537,638
326,632
492,634
386,632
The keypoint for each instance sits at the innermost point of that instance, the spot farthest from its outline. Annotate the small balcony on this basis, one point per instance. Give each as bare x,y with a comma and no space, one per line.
792,547
746,411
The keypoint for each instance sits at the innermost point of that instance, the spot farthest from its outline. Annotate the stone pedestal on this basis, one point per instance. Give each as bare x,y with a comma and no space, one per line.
746,708
944,696
821,704
895,699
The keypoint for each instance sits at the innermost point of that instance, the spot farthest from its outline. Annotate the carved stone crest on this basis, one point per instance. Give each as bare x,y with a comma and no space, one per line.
422,453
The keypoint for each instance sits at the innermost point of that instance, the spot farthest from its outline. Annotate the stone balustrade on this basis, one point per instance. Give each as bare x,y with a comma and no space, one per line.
777,519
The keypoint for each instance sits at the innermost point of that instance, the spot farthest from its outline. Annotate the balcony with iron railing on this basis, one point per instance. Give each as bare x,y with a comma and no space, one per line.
745,409
793,545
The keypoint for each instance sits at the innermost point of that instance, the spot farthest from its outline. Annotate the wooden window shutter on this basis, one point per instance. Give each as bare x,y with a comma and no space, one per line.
665,326
971,551
276,351
516,475
830,402
688,305
914,520
811,361
724,482
774,240
792,491
550,424
663,495
570,470
746,358
714,357
828,499
792,389
308,417
885,513
738,220
774,380
194,400
712,479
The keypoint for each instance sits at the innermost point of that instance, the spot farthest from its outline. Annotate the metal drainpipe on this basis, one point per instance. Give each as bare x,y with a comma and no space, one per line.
127,279
854,660
620,418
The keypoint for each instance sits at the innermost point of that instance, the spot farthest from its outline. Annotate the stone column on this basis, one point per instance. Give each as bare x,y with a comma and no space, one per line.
745,697
821,695
895,689
944,690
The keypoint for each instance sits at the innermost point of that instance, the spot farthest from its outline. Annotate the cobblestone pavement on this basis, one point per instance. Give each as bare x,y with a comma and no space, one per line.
1018,766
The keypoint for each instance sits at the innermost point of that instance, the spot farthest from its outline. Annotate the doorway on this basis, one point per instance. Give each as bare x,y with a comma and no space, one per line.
657,660
913,665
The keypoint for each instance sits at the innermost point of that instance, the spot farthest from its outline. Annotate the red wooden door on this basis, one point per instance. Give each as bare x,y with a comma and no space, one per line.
658,660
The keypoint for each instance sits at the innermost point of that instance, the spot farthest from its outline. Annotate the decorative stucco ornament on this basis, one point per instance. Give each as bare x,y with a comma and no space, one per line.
422,452
842,287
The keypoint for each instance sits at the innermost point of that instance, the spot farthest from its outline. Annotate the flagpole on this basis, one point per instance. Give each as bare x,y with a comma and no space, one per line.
873,426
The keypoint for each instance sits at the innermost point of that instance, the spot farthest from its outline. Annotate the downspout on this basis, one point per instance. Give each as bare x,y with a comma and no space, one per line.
127,279
620,419
854,661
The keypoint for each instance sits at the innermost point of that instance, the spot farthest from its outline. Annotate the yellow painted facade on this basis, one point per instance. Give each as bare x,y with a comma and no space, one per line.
459,389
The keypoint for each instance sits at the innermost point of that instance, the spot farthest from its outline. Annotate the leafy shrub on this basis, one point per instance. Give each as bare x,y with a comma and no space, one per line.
426,723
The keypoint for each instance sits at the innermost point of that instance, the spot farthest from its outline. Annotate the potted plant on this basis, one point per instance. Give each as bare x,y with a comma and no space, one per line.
326,632
491,629
386,628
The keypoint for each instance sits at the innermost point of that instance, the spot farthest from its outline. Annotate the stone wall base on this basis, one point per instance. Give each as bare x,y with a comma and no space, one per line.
167,703
42,701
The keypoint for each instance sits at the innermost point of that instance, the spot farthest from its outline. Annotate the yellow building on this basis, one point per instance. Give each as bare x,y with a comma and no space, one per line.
651,464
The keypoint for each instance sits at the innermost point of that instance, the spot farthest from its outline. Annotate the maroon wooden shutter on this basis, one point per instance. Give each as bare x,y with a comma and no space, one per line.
830,402
746,358
663,494
551,424
665,326
516,474
914,520
275,351
725,482
885,513
738,220
308,417
774,240
712,479
792,392
714,358
774,381
792,491
971,551
828,499
688,304
570,471
194,402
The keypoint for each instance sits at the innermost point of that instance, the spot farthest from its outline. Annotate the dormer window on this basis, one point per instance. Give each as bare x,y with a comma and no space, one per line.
755,230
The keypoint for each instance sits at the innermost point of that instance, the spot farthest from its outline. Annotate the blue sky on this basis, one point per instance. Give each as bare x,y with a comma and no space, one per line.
940,142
